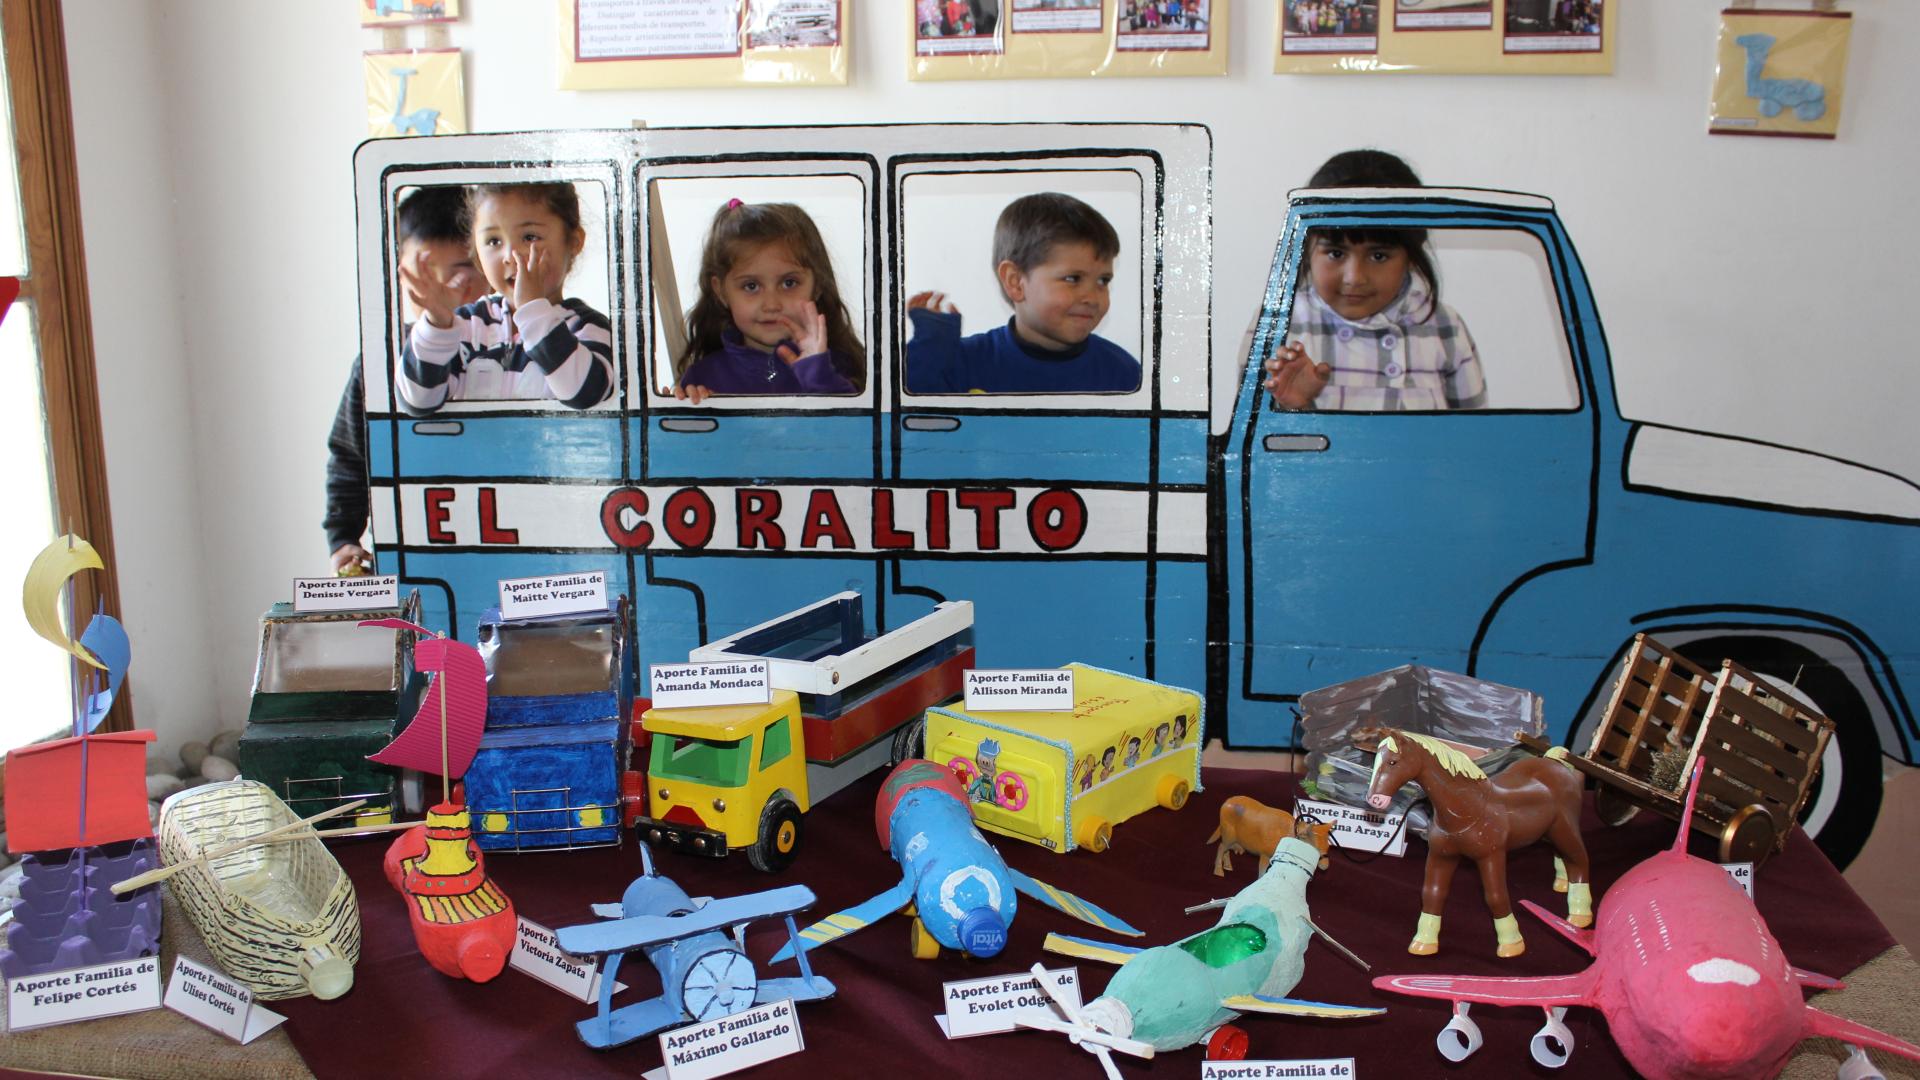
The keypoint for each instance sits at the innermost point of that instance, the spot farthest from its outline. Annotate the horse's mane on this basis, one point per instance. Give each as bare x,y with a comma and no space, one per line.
1450,759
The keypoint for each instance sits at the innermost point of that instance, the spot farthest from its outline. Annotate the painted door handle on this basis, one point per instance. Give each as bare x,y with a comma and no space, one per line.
438,427
1295,444
688,424
931,423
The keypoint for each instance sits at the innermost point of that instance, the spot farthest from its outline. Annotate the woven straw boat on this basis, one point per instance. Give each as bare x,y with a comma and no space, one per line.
280,916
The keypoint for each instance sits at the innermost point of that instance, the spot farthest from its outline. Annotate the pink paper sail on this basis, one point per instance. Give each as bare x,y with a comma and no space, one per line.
458,696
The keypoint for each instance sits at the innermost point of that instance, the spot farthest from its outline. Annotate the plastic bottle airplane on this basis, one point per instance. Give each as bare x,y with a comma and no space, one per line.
961,890
1692,983
1173,996
704,974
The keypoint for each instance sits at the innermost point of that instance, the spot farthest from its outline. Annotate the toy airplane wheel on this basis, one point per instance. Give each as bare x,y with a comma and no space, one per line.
1093,833
920,942
1227,1043
779,838
1748,835
1172,792
1613,807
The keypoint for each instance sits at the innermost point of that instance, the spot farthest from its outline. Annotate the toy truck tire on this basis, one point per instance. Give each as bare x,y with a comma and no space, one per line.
1172,791
779,838
1093,833
909,742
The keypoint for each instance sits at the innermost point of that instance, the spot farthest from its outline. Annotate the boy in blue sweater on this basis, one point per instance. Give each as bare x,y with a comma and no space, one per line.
1053,256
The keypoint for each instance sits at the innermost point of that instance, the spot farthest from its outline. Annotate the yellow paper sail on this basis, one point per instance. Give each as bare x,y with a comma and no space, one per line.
46,578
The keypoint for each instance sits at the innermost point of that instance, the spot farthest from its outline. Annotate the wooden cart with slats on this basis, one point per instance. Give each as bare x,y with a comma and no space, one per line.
1762,750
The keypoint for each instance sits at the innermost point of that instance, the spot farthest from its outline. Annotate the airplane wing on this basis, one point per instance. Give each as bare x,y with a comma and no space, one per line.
629,1022
1087,949
1260,1003
625,935
1839,1027
1064,901
814,989
1582,938
1813,980
1546,990
858,917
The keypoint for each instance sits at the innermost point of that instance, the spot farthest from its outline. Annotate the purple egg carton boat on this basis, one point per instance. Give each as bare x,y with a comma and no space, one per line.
68,917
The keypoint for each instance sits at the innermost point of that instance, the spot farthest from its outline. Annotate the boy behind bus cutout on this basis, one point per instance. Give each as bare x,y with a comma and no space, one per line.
1053,257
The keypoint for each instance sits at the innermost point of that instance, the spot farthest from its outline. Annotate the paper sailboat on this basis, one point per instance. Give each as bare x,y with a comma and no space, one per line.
77,807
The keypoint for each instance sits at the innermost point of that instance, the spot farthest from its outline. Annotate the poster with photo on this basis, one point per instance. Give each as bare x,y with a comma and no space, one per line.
1780,73
415,92
379,13
1067,39
1442,14
1164,25
1058,16
622,44
947,27
1444,37
1553,26
793,24
1330,27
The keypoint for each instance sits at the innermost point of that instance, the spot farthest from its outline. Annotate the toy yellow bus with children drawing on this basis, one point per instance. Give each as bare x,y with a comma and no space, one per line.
1064,779
887,358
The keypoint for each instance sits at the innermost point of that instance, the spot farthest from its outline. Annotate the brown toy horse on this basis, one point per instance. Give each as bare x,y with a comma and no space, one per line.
1482,819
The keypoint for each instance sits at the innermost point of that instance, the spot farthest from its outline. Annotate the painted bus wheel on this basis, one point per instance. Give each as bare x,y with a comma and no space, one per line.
1010,791
1172,792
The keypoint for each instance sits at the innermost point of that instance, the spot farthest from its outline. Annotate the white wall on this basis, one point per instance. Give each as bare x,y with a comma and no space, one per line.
1753,286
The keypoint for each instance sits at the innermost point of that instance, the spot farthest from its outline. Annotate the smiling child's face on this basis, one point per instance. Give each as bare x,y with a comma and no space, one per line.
1061,300
765,290
1359,279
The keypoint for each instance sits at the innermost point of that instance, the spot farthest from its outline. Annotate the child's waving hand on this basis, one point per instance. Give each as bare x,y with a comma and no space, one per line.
932,301
536,274
1294,379
809,329
435,299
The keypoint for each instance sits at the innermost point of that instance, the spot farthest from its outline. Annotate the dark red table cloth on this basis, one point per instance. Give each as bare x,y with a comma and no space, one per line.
403,1018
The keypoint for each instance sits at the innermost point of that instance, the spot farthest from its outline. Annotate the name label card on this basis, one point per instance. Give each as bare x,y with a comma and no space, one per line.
996,1004
346,594
1742,875
1360,830
1276,1070
731,1043
1019,690
538,953
88,993
209,997
727,682
553,594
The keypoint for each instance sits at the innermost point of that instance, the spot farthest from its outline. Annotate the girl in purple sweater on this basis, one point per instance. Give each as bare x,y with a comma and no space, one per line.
769,319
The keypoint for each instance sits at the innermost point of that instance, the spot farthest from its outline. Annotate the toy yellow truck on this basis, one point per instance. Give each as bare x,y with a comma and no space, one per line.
724,777
1064,780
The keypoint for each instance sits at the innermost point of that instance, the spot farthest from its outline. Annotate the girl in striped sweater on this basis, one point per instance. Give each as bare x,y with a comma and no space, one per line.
524,340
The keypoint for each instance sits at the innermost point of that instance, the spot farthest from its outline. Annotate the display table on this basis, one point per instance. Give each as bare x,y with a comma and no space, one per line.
403,1018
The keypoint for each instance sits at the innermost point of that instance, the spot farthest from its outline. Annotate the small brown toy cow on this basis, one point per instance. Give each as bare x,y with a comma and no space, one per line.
1249,826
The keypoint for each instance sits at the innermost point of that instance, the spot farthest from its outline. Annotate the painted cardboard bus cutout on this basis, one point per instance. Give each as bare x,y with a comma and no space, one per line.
1258,554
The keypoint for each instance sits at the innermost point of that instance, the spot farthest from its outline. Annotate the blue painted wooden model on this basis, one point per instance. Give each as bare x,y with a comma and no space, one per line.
962,893
559,690
704,973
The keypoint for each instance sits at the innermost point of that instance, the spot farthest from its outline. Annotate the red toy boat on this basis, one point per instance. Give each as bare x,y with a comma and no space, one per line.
463,923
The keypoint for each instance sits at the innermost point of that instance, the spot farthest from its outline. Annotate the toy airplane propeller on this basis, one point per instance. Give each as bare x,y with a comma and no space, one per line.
962,892
704,974
1174,996
1691,981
